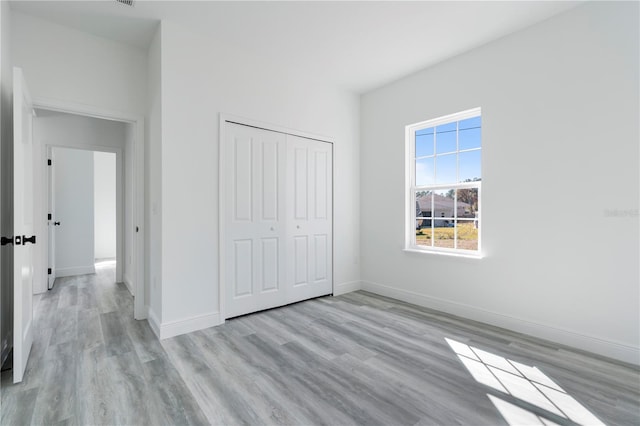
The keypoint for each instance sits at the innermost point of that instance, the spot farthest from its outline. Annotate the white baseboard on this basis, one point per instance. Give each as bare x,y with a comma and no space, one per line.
347,287
607,348
77,270
154,323
175,328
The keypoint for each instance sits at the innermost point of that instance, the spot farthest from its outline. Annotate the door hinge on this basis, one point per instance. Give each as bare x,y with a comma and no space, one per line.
49,162
48,271
49,216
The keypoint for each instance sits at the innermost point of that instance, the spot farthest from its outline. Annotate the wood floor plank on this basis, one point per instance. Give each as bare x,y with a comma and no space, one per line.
18,407
355,359
170,400
57,397
117,341
89,329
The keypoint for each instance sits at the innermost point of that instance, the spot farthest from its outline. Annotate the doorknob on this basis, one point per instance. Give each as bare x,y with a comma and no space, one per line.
6,241
31,239
56,223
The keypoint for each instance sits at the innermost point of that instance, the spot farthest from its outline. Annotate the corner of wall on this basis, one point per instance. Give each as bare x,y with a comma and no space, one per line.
154,322
347,287
188,325
127,282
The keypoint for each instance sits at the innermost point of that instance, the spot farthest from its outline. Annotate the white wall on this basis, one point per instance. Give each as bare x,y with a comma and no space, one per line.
153,185
104,195
200,80
73,169
62,63
70,130
6,161
560,182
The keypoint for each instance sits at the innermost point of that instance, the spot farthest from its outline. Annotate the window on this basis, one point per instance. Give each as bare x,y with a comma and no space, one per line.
444,184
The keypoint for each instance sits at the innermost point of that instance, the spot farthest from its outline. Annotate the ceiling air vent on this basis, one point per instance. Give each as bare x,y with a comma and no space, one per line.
127,2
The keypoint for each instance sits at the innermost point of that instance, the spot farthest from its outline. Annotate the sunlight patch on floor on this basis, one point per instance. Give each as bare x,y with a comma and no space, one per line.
524,383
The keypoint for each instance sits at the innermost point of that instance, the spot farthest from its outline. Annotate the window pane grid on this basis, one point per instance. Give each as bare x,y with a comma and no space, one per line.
445,186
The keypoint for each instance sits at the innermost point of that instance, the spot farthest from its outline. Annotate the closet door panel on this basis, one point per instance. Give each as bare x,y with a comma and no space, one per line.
300,260
309,221
254,231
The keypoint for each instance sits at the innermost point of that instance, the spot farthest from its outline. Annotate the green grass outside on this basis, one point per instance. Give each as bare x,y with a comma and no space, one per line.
444,237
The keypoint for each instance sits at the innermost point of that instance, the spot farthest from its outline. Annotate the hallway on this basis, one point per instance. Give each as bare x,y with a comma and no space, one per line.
92,363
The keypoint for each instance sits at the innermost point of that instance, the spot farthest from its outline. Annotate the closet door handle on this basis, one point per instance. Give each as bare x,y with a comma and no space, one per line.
31,239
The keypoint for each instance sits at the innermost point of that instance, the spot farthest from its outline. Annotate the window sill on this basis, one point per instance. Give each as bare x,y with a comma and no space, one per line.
443,253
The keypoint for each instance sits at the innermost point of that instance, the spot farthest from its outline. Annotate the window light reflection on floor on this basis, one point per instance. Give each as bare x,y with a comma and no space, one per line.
105,263
524,383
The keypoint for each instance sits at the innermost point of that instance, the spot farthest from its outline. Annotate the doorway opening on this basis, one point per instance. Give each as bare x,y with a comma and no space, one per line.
105,229
103,136
85,225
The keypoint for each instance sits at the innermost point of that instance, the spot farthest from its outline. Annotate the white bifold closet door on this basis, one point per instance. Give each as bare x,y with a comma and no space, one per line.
278,219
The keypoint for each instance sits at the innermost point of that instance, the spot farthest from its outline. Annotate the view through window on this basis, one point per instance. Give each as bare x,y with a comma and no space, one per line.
444,182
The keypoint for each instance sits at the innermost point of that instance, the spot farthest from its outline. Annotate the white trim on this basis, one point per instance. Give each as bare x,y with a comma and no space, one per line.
221,216
224,118
446,119
187,325
347,287
76,270
411,187
84,109
607,348
443,251
140,311
272,127
153,321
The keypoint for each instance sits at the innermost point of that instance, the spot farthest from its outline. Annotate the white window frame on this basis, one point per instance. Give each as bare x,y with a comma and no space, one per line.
411,188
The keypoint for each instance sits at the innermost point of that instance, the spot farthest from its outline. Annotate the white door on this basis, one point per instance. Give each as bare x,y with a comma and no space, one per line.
23,228
254,196
52,221
278,219
309,218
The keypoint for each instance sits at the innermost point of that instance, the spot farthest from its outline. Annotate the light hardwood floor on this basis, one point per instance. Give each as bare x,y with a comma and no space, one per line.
353,359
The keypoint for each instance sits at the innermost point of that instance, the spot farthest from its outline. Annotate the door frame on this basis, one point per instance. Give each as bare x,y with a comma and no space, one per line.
137,184
50,230
222,160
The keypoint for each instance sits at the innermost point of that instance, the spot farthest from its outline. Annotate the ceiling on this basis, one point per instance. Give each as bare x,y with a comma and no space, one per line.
355,45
